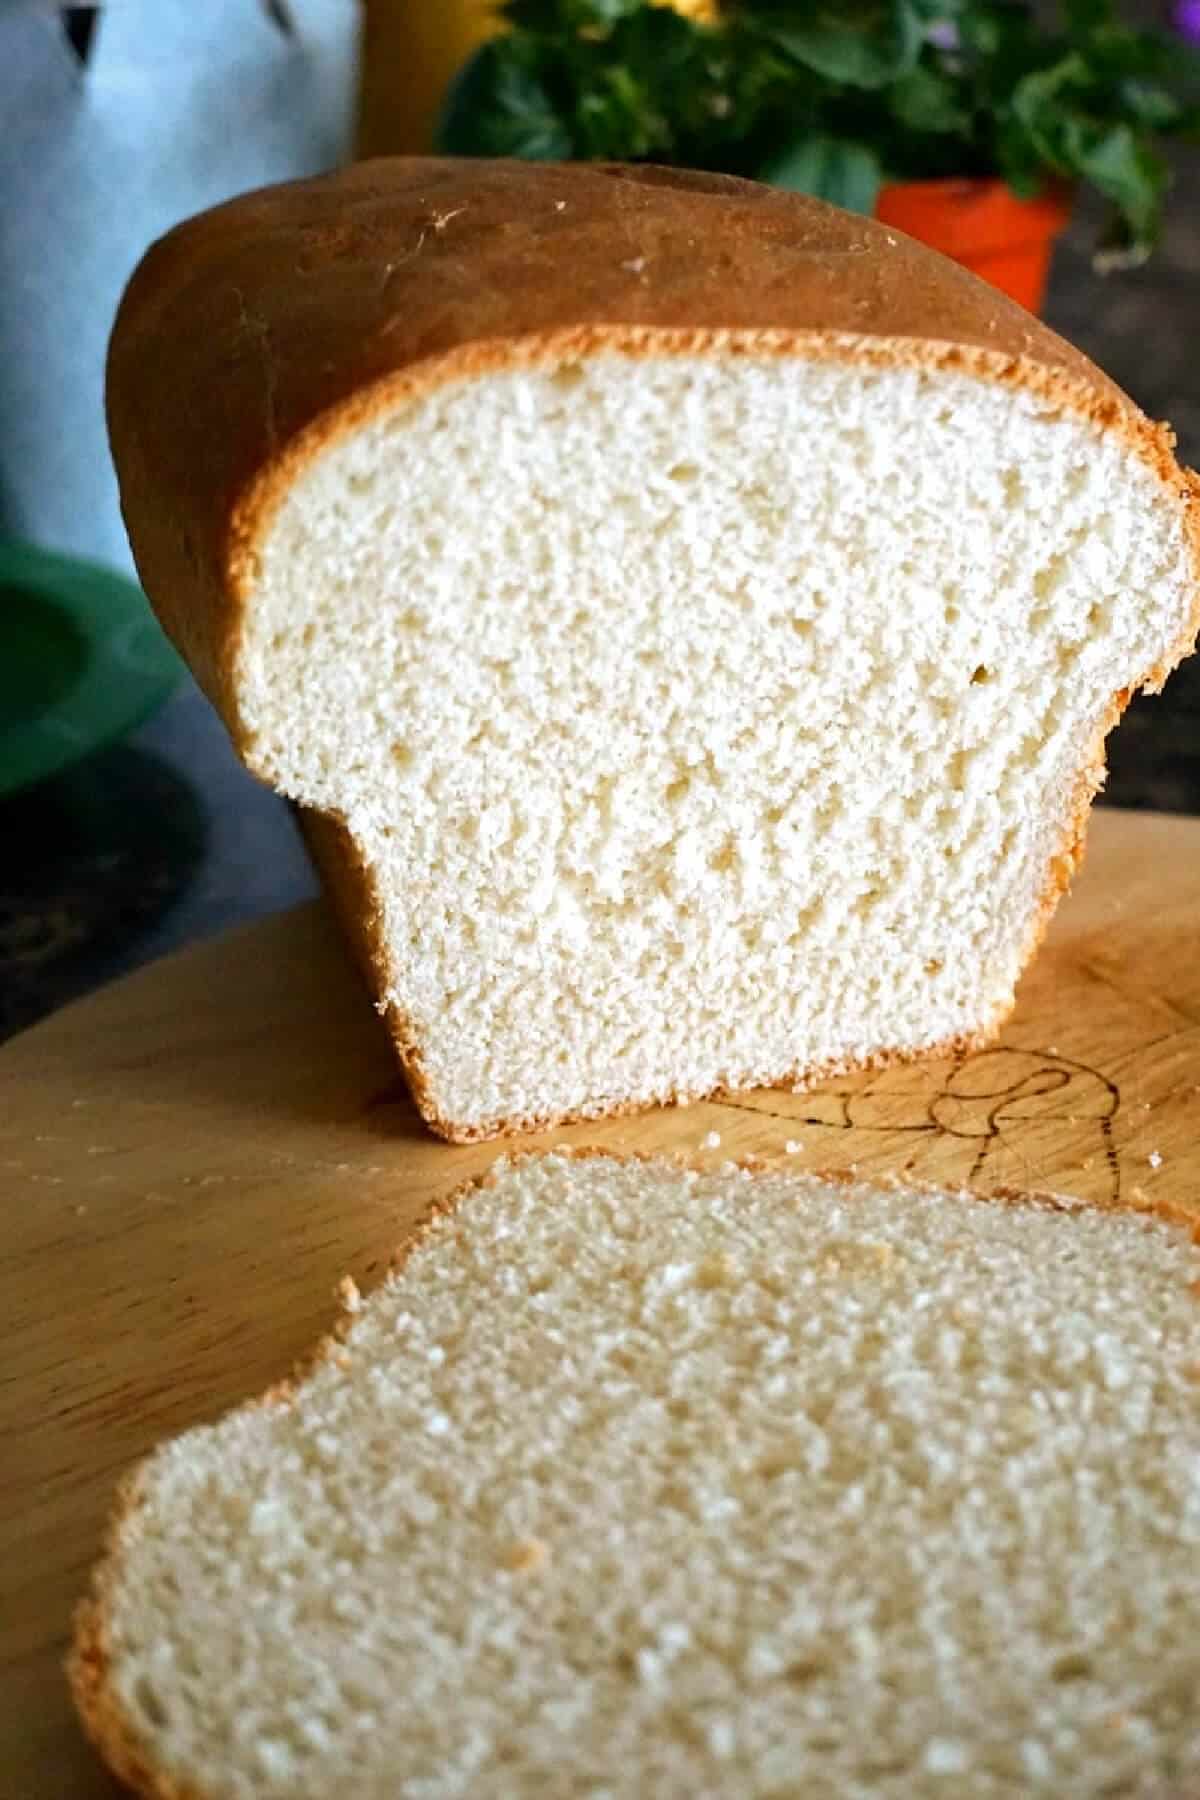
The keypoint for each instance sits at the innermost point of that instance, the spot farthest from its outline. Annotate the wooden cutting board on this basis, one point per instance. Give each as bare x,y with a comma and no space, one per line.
190,1160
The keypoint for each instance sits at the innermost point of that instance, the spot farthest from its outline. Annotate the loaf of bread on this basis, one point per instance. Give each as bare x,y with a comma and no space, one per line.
690,615
639,1481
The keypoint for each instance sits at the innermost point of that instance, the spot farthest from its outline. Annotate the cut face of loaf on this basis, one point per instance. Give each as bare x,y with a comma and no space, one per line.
703,721
686,707
639,1481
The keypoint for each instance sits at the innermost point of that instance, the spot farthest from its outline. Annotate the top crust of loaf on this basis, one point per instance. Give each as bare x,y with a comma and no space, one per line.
257,333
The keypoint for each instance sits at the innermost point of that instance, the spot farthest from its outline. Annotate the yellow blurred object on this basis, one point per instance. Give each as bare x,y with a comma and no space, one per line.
411,51
705,12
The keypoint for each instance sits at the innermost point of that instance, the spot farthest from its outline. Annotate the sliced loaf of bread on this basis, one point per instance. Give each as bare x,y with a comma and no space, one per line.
635,1480
690,614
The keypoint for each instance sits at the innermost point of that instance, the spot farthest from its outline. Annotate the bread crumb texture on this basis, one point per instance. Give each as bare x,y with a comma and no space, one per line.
648,1481
703,720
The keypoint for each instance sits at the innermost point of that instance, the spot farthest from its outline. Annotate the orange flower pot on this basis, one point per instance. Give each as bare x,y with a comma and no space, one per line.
983,225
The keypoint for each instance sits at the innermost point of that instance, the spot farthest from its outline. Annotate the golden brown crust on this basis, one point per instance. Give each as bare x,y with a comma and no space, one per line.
106,1722
351,888
253,337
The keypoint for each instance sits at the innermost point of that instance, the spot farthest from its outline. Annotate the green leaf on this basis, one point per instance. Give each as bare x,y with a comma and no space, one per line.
939,12
1018,161
647,89
846,174
865,45
1115,54
607,12
1040,102
618,119
1084,16
497,105
550,17
927,100
1151,106
1072,121
1125,172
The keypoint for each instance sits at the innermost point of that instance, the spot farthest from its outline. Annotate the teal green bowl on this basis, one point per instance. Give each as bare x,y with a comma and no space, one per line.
82,661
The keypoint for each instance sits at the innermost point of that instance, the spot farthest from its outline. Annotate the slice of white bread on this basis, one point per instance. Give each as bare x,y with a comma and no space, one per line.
637,1480
692,614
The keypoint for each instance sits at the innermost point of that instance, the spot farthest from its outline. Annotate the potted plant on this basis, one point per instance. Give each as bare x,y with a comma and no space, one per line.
968,123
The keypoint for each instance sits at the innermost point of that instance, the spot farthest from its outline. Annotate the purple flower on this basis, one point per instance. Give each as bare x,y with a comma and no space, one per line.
943,33
1185,17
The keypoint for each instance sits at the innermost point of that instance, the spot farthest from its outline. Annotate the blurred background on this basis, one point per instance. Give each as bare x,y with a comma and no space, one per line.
1055,149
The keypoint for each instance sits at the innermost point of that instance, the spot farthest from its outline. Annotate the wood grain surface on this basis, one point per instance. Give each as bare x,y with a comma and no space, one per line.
190,1160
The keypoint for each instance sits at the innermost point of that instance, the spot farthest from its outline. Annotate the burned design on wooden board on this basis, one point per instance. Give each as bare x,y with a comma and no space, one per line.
983,1099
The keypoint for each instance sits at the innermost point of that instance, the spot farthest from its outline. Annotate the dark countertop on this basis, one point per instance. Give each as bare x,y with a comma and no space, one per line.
164,839
1143,327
